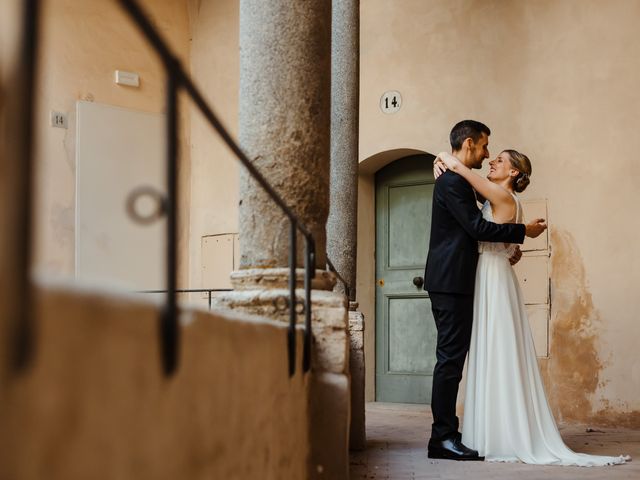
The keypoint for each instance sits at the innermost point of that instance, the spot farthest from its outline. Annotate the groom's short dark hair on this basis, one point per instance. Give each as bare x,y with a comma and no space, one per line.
466,129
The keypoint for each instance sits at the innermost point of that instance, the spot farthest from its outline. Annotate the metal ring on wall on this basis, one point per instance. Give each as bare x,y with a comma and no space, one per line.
139,193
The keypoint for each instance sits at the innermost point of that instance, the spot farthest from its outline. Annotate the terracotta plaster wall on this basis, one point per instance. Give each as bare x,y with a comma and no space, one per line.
95,404
215,64
555,80
82,44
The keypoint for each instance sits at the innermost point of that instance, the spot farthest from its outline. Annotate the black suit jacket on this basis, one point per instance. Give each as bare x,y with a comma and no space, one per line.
456,227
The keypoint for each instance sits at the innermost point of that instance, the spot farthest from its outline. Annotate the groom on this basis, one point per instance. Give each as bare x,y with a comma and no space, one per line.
456,228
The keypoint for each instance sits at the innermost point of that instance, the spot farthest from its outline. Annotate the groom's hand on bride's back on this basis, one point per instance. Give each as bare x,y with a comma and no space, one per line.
535,227
515,256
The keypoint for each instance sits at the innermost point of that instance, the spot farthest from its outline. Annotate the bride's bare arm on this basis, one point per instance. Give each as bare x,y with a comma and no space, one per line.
496,194
439,168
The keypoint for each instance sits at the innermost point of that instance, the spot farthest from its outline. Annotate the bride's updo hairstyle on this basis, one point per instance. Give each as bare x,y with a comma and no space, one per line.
520,162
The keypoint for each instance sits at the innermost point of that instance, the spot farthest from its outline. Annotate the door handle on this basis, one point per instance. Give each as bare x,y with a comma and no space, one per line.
418,281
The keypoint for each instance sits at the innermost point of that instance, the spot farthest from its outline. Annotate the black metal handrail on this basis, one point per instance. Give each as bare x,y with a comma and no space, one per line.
332,268
178,79
24,231
208,291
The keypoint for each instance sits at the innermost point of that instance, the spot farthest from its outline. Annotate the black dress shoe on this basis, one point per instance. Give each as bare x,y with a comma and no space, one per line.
452,449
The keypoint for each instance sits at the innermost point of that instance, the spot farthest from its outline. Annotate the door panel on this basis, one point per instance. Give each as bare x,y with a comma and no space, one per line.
408,240
410,353
405,330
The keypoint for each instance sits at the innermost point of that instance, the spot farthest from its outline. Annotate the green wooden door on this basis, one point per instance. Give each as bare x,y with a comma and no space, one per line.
405,330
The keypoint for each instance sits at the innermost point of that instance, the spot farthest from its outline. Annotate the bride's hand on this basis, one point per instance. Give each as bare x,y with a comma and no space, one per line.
438,168
449,160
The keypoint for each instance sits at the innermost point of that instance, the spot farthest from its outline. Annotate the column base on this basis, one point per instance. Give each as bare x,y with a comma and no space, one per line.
264,292
357,434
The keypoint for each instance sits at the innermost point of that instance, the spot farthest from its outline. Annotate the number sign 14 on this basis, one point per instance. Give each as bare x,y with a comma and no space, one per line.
391,101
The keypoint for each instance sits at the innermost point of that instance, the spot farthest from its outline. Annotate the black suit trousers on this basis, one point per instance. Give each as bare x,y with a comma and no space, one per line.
453,314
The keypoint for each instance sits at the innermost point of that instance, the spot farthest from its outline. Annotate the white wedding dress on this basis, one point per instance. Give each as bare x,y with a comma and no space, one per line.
506,414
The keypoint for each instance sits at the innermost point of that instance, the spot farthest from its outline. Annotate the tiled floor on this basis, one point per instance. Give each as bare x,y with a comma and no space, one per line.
397,436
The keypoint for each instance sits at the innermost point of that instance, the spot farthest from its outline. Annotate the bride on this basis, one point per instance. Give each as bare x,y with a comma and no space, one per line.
506,414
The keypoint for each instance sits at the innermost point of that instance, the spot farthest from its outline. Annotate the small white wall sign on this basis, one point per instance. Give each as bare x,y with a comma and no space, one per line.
59,119
131,79
391,101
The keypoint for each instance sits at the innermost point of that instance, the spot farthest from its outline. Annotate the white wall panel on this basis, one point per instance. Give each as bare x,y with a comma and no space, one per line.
117,151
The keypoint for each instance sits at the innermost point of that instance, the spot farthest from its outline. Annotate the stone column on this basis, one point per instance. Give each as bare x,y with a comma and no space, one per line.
345,90
343,210
285,73
284,123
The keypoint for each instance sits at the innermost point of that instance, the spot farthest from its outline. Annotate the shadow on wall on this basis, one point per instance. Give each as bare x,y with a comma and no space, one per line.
572,371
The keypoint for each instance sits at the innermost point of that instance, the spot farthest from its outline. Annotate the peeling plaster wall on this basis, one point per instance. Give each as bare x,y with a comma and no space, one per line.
555,80
82,44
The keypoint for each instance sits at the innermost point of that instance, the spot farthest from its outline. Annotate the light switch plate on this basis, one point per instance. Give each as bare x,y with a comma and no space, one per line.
131,79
